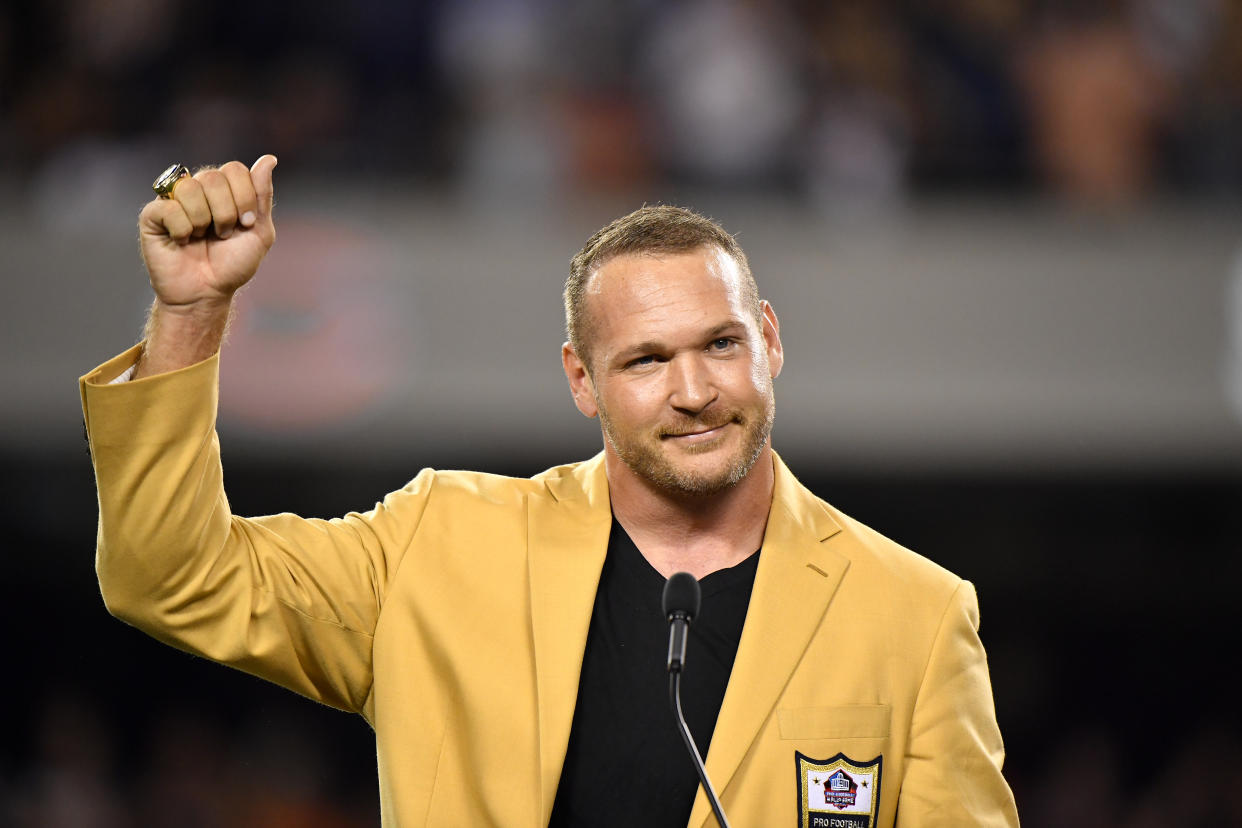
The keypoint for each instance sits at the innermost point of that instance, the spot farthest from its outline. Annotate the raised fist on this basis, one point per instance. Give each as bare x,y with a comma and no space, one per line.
208,239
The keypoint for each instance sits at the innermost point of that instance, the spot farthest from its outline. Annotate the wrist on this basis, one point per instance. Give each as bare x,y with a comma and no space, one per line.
180,335
203,311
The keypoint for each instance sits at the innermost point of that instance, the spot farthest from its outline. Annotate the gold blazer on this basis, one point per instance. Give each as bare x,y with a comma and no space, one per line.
453,616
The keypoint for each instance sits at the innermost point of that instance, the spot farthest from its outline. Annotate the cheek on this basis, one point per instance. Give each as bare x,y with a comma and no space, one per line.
760,372
632,402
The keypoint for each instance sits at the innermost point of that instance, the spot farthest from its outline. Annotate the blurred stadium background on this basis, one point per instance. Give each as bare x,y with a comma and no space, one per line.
1002,236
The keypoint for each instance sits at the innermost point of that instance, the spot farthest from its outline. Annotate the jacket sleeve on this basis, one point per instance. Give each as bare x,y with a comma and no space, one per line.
953,768
291,600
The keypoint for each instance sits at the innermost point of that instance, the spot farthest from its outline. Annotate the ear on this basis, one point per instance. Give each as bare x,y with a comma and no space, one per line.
772,337
580,385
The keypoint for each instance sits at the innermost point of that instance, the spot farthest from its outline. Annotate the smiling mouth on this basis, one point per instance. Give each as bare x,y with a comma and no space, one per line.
704,433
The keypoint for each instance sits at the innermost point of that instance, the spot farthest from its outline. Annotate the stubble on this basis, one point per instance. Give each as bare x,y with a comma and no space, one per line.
648,456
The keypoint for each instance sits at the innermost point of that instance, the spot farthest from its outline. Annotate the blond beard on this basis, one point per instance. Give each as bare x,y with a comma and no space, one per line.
654,466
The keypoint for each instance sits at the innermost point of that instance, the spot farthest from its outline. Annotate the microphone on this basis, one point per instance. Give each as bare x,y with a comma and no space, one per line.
681,601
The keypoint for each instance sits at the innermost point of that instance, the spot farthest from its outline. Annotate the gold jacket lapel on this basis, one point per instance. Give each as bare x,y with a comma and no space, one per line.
567,540
796,579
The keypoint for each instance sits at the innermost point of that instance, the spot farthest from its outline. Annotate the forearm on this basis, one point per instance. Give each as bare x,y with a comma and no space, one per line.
293,601
178,336
158,472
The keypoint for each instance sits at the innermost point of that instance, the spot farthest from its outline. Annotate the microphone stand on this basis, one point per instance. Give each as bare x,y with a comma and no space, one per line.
674,696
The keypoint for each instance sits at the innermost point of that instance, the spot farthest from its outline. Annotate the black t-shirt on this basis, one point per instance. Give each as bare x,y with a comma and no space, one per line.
626,764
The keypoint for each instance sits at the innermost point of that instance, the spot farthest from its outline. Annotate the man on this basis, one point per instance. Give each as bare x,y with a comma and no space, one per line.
503,636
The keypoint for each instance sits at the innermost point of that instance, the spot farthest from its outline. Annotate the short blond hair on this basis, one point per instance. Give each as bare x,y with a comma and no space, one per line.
658,229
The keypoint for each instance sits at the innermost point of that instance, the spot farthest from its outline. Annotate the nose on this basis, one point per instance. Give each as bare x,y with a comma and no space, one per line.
691,388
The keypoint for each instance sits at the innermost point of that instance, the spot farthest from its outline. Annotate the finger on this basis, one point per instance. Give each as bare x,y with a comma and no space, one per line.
189,193
219,200
165,217
243,191
261,174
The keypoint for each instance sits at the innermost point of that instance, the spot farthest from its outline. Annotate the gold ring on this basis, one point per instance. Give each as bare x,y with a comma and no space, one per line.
163,185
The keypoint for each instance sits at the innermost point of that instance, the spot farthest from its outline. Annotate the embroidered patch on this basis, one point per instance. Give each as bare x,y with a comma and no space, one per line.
838,792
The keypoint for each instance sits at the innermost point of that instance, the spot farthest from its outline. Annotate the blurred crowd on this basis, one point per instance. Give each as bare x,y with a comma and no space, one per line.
186,767
191,770
849,103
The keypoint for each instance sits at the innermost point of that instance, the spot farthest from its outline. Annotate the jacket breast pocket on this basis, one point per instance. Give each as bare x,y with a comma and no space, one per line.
850,721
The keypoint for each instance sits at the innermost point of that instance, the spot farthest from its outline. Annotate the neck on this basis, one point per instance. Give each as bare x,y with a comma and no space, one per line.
699,534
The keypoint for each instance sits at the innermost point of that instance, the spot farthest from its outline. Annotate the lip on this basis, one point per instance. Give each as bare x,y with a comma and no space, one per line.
698,436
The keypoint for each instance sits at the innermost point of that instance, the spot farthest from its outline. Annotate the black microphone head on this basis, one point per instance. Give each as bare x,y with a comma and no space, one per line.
682,596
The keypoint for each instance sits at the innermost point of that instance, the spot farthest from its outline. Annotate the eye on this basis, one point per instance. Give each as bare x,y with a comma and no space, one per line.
647,359
722,344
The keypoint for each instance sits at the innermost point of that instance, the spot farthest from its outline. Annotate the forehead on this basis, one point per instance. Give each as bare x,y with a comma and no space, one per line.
658,295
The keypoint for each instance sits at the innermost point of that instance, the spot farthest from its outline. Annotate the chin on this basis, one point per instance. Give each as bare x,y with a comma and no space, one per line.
699,479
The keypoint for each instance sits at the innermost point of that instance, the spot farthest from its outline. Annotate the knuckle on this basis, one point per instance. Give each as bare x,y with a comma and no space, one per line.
210,177
187,188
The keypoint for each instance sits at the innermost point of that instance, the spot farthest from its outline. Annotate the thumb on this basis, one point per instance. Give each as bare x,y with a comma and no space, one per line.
261,175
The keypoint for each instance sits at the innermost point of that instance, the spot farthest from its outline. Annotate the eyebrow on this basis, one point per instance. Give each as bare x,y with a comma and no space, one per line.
653,345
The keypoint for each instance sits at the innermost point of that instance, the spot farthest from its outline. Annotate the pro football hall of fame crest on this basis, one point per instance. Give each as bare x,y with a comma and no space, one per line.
838,792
